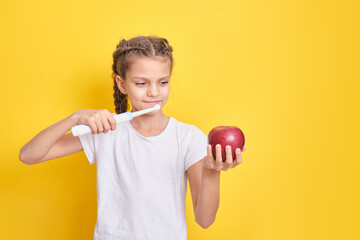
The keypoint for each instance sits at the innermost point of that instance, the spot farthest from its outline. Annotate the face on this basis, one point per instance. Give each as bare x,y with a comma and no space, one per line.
147,83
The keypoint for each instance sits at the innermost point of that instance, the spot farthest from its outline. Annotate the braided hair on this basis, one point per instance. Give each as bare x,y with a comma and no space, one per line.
148,46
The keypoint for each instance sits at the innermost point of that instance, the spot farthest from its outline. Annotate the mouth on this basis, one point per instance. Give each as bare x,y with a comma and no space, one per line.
153,102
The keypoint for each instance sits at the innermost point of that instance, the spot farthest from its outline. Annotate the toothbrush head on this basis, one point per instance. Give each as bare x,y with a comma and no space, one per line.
157,107
141,112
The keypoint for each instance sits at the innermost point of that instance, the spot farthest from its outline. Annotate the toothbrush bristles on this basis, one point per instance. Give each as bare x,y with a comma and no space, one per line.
157,107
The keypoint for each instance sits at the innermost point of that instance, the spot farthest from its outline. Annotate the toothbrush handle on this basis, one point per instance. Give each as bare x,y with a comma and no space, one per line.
85,129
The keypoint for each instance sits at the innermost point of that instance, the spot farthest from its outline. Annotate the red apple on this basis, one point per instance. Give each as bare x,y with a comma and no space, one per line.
226,135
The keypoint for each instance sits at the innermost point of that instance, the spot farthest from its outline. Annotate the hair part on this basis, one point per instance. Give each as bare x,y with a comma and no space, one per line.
123,56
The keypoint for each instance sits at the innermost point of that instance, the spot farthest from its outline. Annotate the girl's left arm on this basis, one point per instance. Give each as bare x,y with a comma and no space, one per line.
204,181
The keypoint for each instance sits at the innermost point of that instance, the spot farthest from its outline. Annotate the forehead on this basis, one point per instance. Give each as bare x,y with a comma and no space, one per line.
149,67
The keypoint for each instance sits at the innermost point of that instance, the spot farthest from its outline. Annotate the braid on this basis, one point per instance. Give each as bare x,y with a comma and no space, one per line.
120,99
150,46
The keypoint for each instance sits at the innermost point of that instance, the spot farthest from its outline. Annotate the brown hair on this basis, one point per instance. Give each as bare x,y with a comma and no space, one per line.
143,46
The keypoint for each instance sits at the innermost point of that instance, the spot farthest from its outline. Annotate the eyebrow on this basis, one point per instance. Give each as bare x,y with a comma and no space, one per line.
149,79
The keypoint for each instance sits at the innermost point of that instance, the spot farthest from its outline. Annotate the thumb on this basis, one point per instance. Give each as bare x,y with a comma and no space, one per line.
113,114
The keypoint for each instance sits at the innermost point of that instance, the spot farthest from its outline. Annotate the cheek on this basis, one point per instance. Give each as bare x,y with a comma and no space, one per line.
139,94
136,94
168,90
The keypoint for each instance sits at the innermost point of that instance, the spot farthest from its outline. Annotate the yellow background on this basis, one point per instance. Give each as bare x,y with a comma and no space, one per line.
285,72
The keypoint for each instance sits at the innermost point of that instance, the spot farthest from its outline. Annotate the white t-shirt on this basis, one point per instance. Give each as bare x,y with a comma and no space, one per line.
141,181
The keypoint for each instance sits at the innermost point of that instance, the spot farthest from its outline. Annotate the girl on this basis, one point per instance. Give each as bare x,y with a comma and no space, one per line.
142,165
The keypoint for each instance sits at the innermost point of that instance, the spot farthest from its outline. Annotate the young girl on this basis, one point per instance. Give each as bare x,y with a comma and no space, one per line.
142,165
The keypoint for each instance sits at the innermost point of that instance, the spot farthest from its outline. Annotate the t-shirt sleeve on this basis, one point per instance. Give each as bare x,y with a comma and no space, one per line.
89,142
196,147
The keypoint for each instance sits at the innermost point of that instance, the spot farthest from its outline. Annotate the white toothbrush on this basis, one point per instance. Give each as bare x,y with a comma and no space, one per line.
122,117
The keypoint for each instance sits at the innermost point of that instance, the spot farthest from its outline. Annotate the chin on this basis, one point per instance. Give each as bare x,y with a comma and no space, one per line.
153,113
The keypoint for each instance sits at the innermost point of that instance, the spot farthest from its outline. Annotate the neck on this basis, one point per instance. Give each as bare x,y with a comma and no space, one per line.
150,121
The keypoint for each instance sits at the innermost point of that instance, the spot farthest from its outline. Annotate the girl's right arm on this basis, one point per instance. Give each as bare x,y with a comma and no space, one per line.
53,142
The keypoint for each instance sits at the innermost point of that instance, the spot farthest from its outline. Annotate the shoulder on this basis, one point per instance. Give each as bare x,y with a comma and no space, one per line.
188,130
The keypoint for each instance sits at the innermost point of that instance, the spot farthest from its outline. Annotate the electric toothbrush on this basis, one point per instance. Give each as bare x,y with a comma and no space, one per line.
122,117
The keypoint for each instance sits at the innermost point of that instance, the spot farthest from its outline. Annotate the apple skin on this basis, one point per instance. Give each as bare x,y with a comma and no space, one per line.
226,135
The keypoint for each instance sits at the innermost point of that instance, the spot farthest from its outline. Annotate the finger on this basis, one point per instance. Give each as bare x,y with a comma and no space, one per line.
209,153
105,123
103,116
218,161
112,121
99,126
234,164
93,127
238,156
209,160
229,159
218,153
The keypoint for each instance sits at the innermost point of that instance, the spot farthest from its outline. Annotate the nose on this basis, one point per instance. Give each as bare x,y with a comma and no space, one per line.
153,91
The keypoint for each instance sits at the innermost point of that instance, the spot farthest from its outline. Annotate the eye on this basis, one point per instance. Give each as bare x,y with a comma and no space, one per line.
164,83
140,83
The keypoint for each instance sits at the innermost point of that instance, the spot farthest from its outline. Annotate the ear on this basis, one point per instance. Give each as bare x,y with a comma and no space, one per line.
120,84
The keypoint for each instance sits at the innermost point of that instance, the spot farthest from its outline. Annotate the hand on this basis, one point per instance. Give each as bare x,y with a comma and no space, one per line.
209,163
98,120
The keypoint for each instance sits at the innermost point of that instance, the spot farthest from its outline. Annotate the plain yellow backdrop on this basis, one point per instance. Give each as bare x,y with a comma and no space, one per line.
285,72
